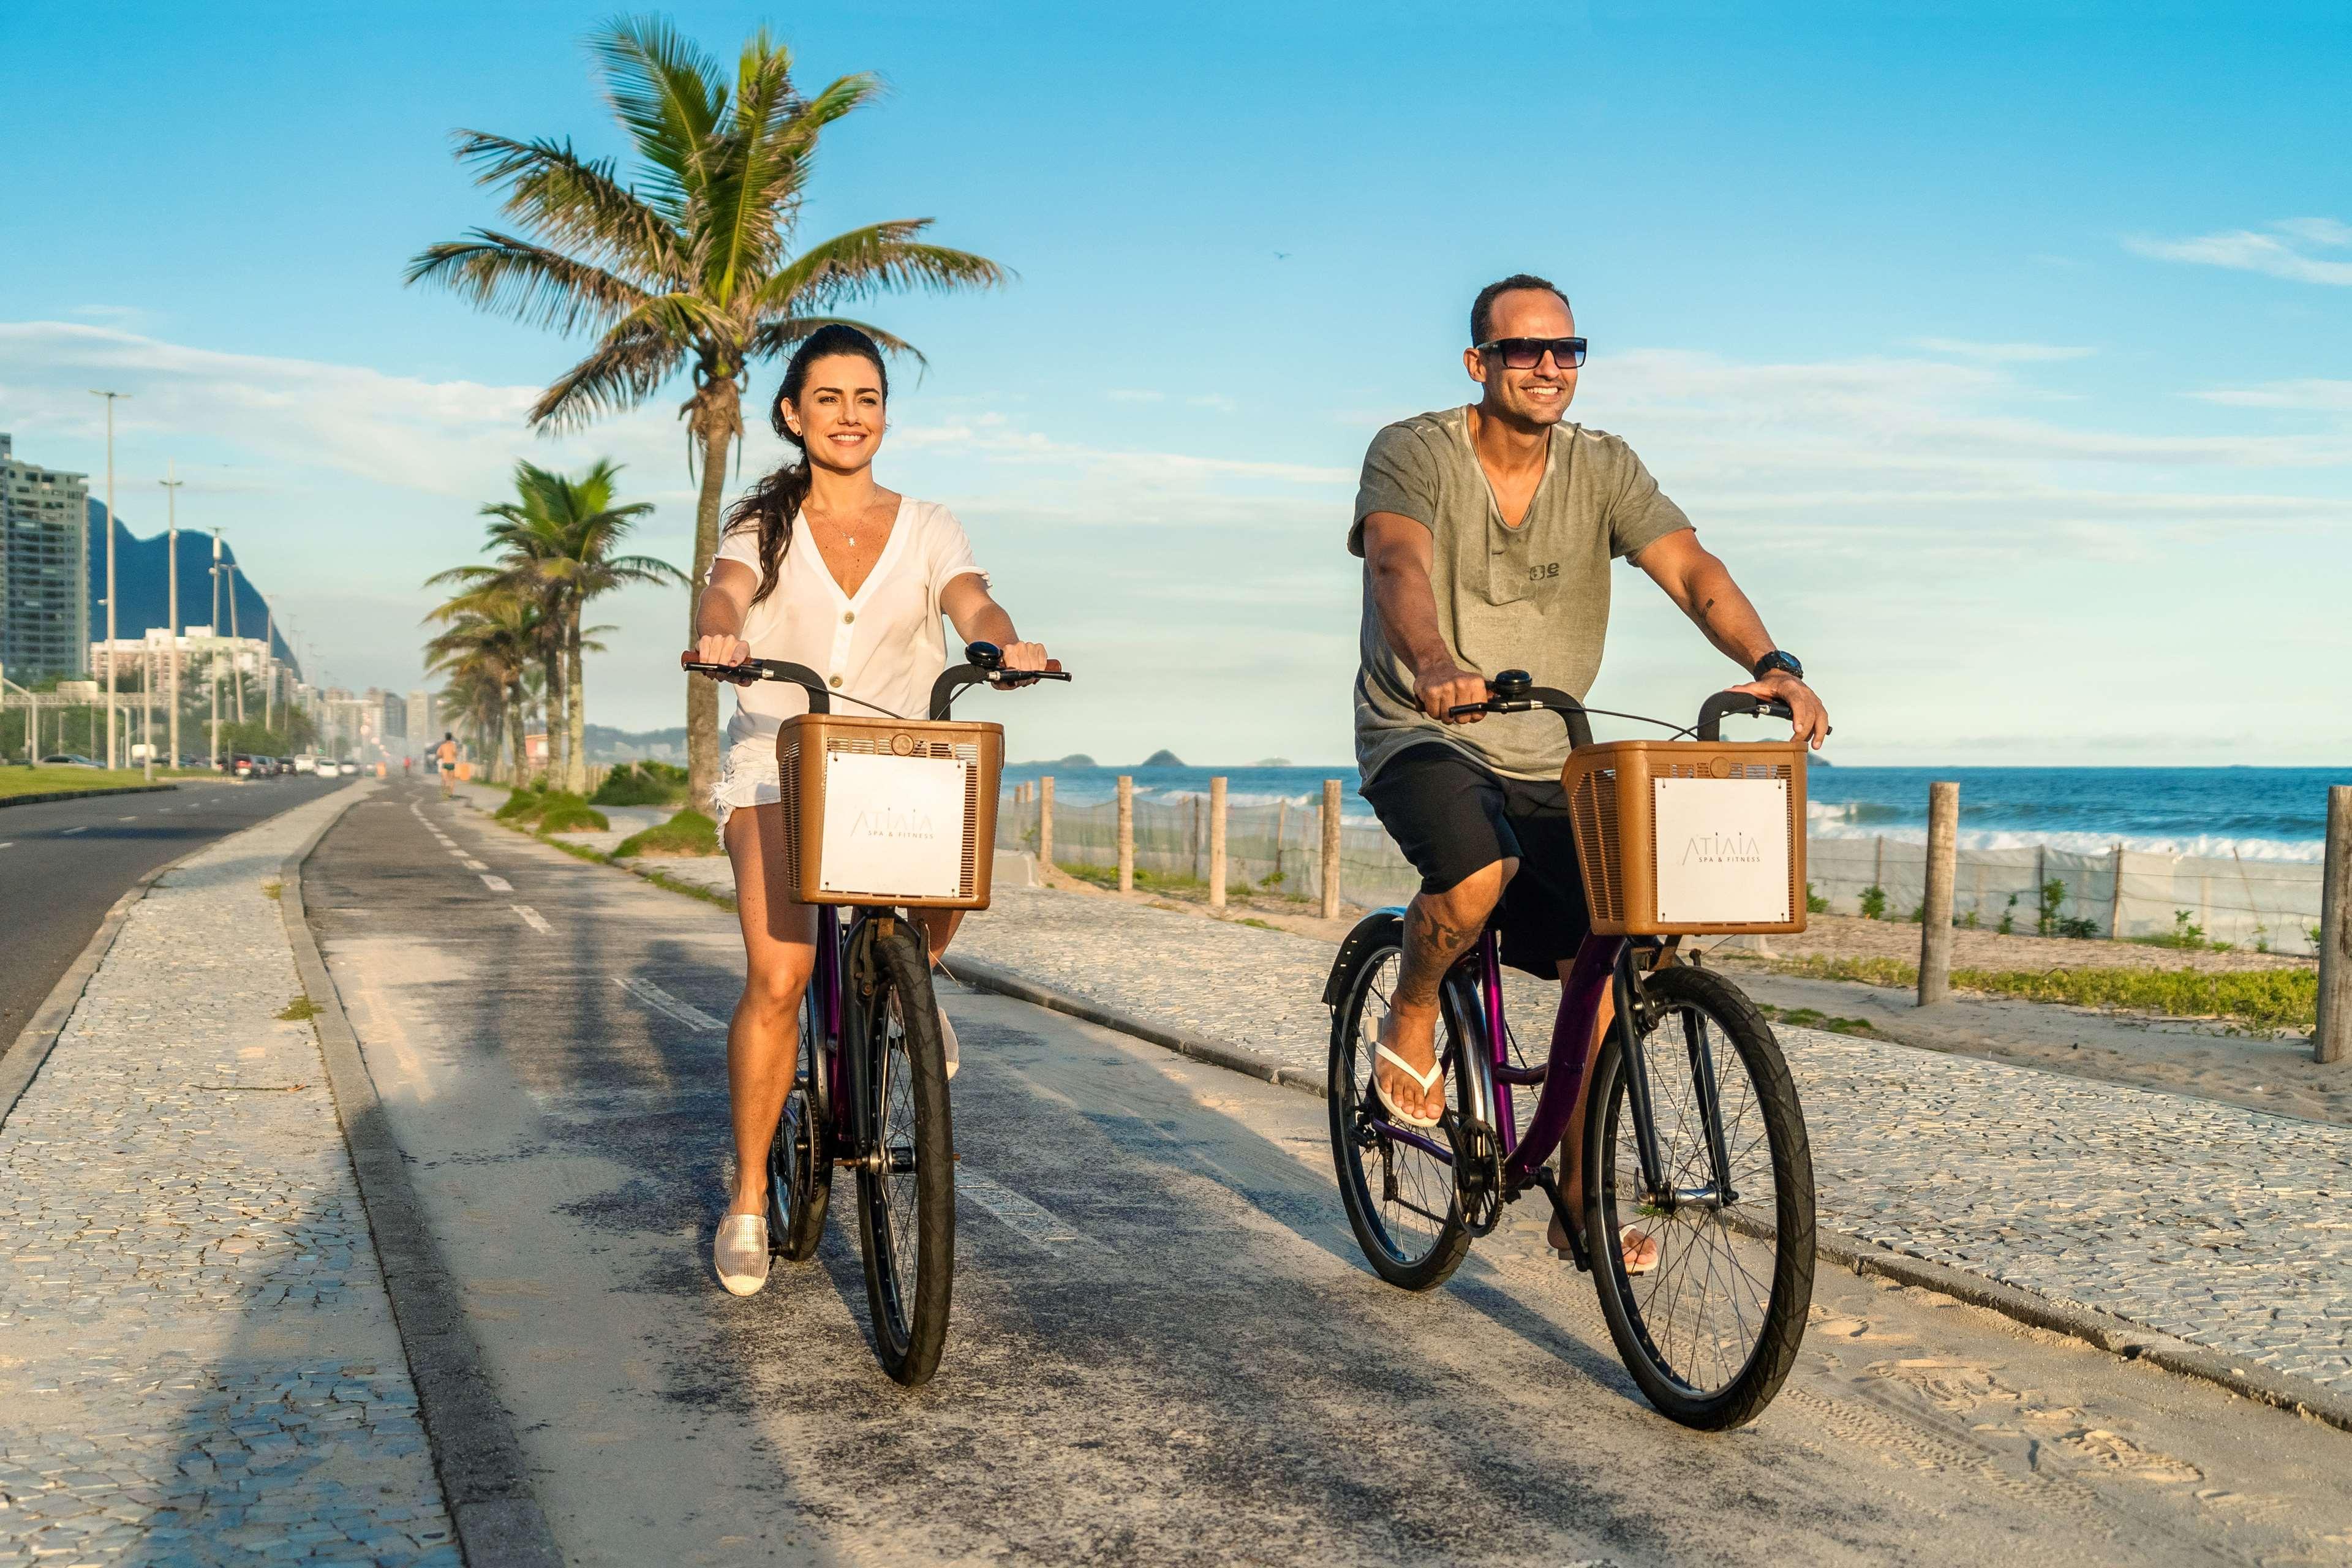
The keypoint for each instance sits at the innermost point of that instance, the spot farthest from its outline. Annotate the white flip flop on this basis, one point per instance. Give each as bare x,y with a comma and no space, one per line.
1425,1080
948,1041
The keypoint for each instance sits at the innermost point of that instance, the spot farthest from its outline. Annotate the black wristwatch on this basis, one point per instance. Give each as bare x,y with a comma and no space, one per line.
1774,661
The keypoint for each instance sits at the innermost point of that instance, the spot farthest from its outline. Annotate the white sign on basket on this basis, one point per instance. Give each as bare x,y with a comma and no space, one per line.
894,825
1723,851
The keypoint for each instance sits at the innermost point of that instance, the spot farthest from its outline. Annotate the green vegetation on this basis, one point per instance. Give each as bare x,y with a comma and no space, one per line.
300,1010
1812,1018
570,814
56,781
642,783
1172,884
273,891
1814,904
1874,903
684,262
2186,936
2258,998
688,833
2047,921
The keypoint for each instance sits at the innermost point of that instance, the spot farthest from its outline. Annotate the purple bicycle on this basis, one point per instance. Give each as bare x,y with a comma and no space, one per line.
1692,1138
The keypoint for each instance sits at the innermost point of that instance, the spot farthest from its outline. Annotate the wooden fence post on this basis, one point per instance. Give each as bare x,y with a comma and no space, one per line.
1330,849
1281,831
2332,1040
1217,842
1046,824
1126,833
1936,912
2116,901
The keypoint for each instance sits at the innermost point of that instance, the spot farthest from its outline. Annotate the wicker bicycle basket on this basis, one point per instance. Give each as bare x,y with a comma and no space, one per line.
888,811
1696,837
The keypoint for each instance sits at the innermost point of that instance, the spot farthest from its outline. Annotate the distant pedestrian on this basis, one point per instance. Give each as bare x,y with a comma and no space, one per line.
446,751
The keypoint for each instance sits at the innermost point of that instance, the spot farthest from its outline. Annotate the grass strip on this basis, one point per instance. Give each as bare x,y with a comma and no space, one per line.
688,833
60,781
2258,998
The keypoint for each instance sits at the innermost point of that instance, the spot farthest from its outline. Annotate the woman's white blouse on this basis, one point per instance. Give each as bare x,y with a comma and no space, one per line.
885,644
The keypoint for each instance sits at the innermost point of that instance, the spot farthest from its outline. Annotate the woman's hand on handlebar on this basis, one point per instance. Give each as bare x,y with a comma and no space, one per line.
1445,686
1021,657
1809,720
719,649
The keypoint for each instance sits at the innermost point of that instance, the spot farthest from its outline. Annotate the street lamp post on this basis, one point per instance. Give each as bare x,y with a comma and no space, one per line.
268,665
172,534
236,675
212,665
112,757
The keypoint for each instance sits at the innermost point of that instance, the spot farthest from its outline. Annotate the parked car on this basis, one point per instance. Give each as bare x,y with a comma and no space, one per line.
284,765
67,760
240,765
306,762
348,768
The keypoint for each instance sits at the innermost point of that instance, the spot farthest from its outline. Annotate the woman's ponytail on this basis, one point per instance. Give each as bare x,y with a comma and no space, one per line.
776,499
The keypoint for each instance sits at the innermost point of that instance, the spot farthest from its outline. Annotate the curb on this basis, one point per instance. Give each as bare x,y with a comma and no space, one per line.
83,794
484,1480
2115,1335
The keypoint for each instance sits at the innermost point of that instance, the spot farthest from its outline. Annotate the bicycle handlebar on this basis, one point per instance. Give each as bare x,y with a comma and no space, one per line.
984,663
1513,693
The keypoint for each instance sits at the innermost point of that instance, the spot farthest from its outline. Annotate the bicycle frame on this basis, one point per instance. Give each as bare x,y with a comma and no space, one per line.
1602,967
838,1018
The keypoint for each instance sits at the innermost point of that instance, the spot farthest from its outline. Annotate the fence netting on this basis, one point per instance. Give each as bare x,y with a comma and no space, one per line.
2033,891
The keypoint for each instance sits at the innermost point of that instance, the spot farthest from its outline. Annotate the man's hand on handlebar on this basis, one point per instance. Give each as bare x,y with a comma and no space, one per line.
724,650
1443,687
1809,722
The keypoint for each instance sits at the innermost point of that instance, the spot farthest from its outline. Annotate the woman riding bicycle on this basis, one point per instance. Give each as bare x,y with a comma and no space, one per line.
822,566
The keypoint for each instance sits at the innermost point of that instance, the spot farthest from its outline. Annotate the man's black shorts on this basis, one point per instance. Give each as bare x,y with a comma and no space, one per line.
1452,818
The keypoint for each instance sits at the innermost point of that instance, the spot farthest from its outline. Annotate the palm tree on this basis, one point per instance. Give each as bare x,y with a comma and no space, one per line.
556,543
488,640
688,264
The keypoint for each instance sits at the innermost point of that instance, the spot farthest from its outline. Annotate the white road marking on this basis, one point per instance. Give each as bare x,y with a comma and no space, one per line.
1018,1214
661,1001
472,865
71,831
10,844
498,884
132,818
532,918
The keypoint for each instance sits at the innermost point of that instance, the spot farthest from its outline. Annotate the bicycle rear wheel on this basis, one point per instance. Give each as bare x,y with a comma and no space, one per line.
1710,1333
906,1192
800,1157
1401,1200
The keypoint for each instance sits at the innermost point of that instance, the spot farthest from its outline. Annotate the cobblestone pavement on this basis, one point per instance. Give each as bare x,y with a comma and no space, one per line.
197,1360
2225,1227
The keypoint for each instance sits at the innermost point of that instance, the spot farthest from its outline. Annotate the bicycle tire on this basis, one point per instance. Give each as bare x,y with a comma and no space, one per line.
1409,1261
905,1208
800,1156
1662,1333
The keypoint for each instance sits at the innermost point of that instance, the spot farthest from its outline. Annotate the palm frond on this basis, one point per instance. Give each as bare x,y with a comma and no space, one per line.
668,96
577,203
533,283
619,374
879,257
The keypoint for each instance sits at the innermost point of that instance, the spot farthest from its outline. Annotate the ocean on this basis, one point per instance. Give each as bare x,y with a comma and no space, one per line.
2267,813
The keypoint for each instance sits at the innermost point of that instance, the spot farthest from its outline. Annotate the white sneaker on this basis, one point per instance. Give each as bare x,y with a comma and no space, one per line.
740,1253
948,1041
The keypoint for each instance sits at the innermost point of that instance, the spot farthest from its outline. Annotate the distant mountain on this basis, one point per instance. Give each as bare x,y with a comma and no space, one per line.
1164,758
1075,760
606,745
1274,763
143,577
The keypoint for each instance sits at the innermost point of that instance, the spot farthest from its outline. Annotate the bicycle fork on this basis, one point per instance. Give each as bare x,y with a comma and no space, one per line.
1655,1190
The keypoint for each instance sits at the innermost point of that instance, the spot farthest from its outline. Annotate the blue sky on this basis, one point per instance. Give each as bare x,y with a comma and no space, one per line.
2002,350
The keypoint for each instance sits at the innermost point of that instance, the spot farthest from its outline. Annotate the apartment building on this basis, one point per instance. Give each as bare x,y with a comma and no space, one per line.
43,569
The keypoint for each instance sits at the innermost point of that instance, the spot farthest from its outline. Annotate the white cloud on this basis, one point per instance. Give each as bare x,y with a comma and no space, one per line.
2309,393
2000,353
2246,250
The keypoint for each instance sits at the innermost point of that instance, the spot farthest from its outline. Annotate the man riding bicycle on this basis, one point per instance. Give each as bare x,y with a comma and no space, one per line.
1487,534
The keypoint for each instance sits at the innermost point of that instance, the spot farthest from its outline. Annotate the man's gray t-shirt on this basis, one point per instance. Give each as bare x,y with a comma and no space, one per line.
1534,597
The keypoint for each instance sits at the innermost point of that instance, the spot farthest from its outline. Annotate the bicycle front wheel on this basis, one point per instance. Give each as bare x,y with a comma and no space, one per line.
1712,1330
906,1188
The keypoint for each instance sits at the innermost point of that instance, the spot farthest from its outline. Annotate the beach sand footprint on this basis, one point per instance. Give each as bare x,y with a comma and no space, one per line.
1970,1390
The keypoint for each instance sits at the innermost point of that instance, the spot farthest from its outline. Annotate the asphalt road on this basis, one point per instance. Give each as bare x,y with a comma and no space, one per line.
1165,1349
63,863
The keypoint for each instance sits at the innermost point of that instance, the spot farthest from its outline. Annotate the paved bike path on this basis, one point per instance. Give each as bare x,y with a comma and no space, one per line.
1166,1348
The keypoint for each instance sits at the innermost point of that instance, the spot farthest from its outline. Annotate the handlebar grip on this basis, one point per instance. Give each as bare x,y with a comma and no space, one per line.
1739,704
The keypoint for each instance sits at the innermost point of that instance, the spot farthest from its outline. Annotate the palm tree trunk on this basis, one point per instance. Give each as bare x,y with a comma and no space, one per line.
715,422
575,700
552,698
519,708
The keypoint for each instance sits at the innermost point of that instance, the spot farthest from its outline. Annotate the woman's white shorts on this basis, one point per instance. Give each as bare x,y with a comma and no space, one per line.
747,776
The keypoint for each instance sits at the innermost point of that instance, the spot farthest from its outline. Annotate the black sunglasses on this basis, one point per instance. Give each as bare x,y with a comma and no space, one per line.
1526,353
